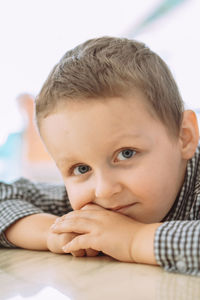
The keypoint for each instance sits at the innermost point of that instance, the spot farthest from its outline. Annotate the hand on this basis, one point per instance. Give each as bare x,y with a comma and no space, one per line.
55,241
101,230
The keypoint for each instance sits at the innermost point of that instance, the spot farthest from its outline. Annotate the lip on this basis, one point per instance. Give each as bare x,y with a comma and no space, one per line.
119,208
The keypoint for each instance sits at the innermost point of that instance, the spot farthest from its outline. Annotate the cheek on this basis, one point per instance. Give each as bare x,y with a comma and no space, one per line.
156,185
142,179
78,195
149,181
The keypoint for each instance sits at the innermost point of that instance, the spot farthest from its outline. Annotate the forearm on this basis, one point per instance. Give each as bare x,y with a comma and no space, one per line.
173,245
24,198
177,248
31,232
143,244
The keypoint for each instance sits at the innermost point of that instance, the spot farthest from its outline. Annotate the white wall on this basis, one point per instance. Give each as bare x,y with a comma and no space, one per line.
36,33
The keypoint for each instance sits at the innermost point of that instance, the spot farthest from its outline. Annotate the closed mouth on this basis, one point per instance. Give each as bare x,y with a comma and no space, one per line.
123,206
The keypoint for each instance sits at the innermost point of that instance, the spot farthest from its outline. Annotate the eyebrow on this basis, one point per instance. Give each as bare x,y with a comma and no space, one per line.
62,161
71,160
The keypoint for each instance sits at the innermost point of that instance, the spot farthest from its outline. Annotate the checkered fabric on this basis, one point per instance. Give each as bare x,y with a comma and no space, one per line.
177,240
23,198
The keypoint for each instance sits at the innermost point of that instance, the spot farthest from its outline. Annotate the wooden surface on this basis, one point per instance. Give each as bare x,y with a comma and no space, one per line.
44,275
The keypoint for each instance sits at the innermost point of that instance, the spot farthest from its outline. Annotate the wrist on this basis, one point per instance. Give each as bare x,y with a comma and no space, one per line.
30,232
142,249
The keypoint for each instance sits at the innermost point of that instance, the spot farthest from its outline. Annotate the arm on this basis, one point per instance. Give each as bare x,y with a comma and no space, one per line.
177,246
177,243
24,198
110,232
174,245
28,210
31,231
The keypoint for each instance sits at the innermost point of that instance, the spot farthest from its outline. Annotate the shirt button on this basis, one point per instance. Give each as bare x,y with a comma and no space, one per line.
181,266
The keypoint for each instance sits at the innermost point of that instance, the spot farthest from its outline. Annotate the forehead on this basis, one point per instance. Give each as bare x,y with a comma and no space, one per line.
78,126
117,110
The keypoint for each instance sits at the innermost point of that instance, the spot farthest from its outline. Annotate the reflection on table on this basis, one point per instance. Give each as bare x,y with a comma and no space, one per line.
43,275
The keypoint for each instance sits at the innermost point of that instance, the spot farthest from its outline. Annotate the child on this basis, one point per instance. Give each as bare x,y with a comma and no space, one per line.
111,116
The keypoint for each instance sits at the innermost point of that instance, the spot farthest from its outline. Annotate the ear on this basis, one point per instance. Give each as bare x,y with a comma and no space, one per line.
189,134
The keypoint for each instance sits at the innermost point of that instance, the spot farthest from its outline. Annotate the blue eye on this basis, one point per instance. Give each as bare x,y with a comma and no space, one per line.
82,169
122,155
126,154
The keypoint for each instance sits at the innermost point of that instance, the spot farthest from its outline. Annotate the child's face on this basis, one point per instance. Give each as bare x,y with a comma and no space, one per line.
115,154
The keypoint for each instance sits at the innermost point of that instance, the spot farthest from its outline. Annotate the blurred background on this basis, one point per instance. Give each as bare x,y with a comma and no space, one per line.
36,33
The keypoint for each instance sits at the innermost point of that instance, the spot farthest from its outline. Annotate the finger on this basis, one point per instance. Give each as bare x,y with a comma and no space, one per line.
79,253
91,252
74,225
66,237
80,242
85,213
62,218
71,214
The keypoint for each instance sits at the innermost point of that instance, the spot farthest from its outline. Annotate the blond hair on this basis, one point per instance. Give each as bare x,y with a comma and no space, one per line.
109,67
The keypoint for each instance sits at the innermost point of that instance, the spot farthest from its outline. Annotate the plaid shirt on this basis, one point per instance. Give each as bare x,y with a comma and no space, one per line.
177,240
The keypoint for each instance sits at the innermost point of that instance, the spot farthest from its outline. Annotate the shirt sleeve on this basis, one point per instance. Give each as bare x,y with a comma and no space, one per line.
177,246
23,198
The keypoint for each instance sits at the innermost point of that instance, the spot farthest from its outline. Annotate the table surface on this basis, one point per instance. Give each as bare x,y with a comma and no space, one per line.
26,274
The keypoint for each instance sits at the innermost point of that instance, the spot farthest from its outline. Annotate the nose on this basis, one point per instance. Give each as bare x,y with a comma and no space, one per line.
107,185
